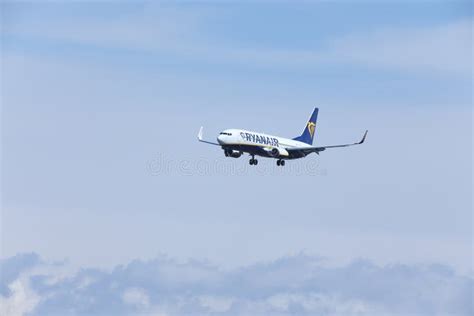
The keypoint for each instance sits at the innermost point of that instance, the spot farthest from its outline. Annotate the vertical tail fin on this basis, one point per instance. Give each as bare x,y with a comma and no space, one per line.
310,129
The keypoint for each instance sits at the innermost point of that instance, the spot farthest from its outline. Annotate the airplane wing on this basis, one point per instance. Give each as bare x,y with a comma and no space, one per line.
308,150
203,141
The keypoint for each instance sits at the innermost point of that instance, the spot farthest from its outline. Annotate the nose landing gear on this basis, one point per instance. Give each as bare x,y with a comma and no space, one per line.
280,162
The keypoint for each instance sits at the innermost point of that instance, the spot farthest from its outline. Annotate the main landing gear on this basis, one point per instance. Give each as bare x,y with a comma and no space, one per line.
254,162
280,162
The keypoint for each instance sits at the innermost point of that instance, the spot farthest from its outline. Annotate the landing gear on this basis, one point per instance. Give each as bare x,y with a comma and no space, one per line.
253,161
280,162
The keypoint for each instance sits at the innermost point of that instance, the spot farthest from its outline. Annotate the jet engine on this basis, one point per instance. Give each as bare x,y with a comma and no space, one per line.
278,152
232,153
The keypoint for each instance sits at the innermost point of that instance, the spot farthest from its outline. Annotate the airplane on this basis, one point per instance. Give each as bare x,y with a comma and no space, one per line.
236,142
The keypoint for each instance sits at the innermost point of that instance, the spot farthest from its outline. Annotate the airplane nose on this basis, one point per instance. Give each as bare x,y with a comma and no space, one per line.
220,139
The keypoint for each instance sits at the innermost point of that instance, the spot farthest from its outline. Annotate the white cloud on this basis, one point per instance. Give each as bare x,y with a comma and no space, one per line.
155,28
21,301
317,303
296,285
438,48
183,33
216,303
136,297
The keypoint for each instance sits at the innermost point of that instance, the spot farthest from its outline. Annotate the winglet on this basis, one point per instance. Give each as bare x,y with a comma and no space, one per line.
200,133
205,141
363,138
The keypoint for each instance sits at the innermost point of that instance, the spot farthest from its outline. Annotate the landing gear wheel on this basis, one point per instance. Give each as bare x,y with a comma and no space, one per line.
253,161
278,163
282,163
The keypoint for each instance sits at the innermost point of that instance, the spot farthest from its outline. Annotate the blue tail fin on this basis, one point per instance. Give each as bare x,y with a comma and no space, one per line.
308,133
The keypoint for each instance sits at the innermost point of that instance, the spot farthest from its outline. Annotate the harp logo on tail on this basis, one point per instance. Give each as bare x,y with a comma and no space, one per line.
311,128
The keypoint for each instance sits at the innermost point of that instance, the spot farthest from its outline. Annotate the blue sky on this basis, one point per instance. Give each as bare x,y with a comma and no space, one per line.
98,97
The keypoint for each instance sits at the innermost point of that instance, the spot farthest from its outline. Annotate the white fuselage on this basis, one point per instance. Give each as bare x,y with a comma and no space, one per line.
245,139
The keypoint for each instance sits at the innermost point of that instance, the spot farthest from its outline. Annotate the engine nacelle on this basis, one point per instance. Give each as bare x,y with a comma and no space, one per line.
278,152
232,153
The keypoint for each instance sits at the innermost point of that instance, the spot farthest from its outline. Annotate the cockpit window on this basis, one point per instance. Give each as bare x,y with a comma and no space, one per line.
228,134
